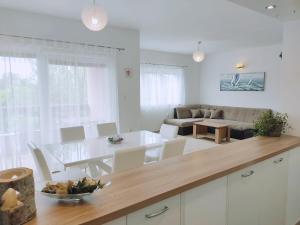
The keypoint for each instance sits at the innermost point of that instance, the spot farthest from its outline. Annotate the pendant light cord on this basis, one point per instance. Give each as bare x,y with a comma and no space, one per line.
199,43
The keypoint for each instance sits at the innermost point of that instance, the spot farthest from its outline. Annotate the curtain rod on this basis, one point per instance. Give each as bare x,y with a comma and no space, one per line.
60,41
155,64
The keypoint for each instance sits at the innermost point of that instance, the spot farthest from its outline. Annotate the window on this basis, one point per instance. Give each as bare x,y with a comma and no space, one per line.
161,86
44,88
19,108
68,95
79,95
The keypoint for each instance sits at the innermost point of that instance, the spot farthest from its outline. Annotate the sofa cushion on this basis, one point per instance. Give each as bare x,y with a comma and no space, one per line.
206,113
196,113
183,113
216,114
238,113
236,125
242,114
183,122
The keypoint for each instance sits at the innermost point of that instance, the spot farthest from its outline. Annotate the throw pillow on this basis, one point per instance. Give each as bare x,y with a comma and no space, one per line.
206,113
196,113
183,113
216,114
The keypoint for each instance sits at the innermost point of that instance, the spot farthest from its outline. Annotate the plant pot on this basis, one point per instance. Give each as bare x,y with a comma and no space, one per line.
276,132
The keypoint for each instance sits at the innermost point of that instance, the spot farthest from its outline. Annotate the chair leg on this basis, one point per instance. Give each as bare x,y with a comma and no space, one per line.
93,169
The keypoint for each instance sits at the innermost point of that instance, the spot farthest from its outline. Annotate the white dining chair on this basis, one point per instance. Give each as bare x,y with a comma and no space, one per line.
170,149
107,129
173,148
168,131
124,160
68,134
44,171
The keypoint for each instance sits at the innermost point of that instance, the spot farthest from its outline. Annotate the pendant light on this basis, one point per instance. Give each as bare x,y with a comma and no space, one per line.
198,55
94,17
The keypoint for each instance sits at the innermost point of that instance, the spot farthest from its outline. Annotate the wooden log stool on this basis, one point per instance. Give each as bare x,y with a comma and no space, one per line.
20,180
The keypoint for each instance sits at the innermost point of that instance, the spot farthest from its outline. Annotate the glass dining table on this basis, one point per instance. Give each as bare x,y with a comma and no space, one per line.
75,153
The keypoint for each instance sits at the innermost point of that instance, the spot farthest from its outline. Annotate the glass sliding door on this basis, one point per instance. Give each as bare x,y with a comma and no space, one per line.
19,109
68,99
79,95
39,95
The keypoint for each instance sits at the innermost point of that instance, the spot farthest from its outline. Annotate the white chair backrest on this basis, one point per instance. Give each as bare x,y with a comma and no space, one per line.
68,134
128,159
168,131
173,148
107,129
40,162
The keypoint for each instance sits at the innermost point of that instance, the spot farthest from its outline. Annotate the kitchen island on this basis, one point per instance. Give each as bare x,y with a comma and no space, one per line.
253,181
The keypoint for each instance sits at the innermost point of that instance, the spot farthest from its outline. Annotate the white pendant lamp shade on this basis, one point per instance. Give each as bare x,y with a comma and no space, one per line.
198,55
94,18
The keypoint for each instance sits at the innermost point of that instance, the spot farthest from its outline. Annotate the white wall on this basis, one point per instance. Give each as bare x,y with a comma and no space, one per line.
290,77
153,120
28,24
260,59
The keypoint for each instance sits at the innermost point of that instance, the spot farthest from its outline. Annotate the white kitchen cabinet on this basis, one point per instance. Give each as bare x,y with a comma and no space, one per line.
205,204
166,212
293,193
273,191
257,194
120,221
243,196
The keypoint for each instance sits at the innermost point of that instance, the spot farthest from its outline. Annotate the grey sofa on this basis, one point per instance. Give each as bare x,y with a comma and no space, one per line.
239,119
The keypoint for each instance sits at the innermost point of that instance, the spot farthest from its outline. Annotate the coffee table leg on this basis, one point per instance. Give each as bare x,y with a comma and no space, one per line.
228,134
218,135
194,130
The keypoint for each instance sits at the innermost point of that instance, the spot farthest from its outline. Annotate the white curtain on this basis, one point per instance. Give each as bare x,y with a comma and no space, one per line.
19,108
48,85
162,88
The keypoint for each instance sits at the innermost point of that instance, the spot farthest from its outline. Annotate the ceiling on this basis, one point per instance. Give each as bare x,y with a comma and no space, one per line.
285,10
174,25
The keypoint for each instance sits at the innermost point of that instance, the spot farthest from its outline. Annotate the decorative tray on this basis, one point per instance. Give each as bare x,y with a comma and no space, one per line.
72,190
76,197
115,140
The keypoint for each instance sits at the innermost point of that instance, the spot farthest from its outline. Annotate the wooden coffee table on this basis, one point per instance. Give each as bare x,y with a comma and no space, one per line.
200,130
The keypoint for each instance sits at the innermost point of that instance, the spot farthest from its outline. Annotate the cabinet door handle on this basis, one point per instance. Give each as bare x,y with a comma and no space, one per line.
248,174
278,160
157,213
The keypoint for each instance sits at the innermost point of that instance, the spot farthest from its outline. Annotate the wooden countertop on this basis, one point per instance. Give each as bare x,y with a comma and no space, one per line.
133,190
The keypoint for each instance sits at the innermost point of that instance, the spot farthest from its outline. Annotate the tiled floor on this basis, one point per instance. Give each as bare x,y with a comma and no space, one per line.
193,144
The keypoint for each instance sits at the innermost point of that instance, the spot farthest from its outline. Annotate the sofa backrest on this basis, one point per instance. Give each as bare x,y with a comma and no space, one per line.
233,113
195,106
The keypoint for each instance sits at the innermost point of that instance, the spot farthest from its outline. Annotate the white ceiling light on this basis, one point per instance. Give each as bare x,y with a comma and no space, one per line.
198,55
270,7
94,17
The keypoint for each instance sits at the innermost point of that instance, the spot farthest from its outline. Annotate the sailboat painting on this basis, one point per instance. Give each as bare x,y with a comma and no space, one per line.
243,82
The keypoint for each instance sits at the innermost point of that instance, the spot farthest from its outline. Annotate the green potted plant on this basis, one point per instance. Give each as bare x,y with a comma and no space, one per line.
271,124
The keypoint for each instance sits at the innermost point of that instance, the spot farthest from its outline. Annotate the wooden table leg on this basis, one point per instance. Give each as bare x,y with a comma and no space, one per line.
228,134
218,135
194,130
